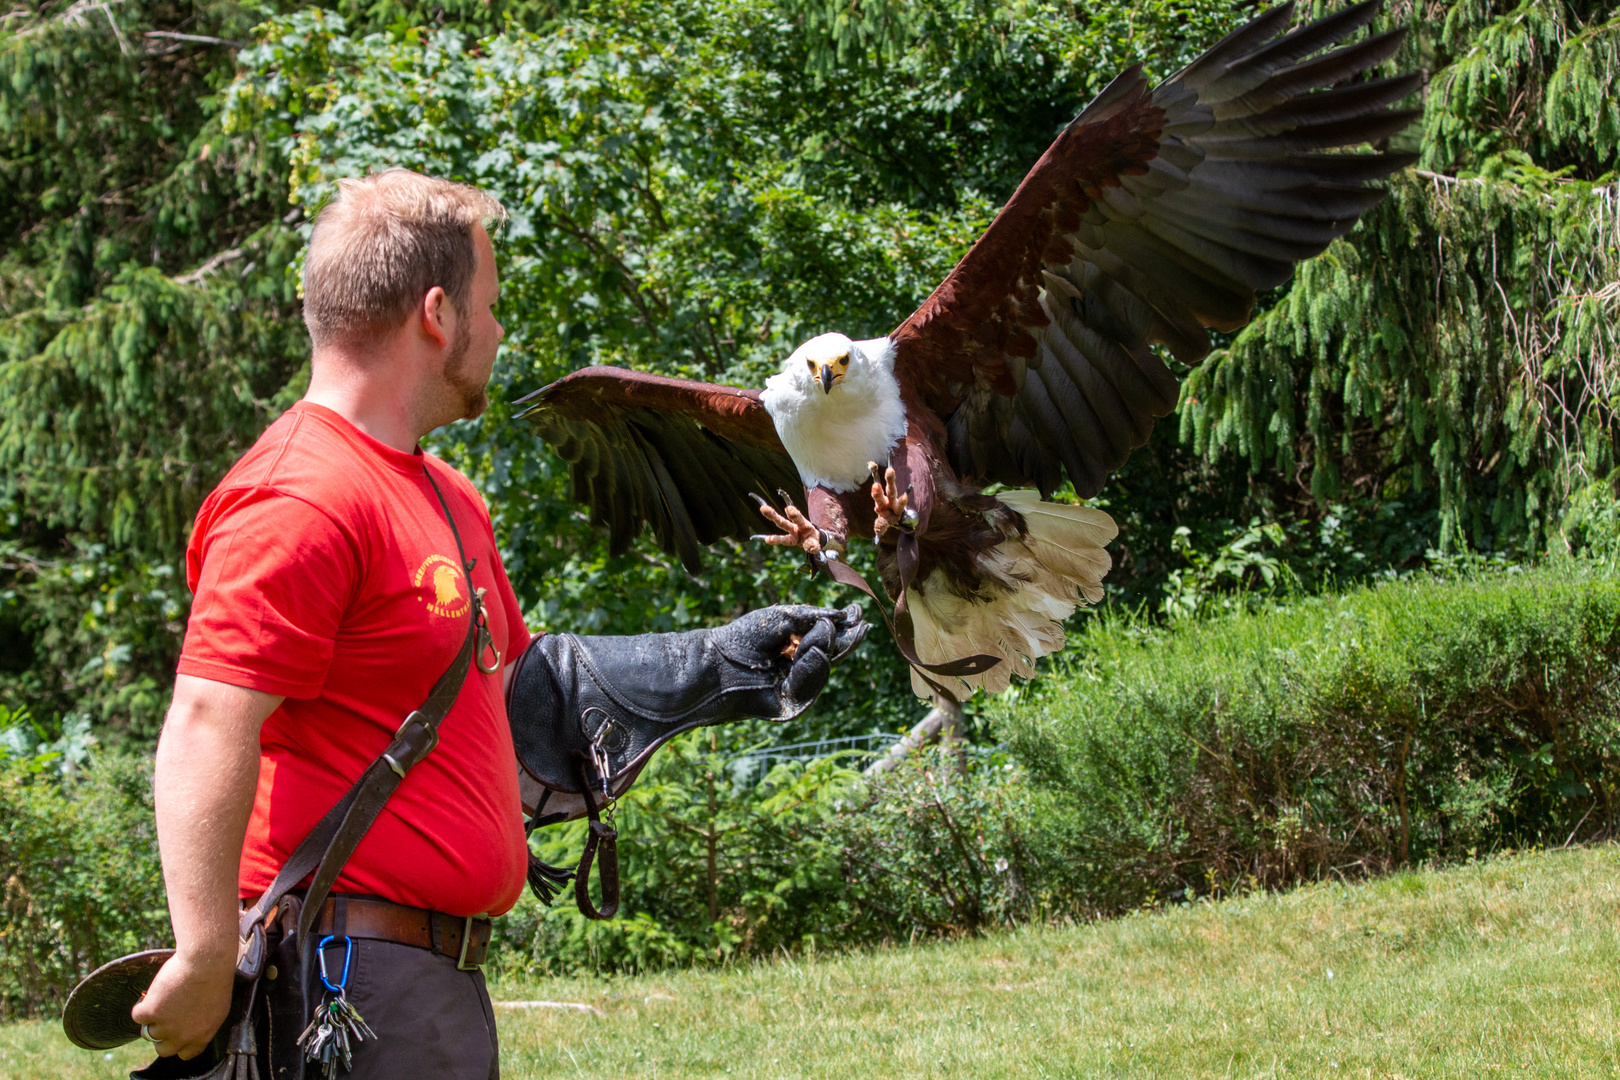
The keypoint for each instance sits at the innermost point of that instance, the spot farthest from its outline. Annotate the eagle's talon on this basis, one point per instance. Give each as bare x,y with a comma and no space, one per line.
889,505
797,531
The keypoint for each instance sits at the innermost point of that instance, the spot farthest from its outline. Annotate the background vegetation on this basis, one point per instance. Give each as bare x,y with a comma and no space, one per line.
1432,720
80,881
697,185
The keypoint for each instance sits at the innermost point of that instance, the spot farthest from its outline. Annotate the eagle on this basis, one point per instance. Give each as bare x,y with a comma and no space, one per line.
1155,217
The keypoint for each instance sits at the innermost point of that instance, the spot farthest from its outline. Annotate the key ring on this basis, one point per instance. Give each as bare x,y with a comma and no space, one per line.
348,954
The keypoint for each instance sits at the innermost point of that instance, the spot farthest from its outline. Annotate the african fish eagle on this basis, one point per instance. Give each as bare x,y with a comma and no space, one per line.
1154,217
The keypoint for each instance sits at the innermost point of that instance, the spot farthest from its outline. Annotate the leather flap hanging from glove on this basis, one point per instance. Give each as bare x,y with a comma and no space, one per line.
588,712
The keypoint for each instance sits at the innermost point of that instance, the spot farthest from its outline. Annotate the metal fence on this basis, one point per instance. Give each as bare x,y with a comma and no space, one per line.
751,767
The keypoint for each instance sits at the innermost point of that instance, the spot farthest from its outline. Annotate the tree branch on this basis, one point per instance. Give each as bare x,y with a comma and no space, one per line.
941,719
197,275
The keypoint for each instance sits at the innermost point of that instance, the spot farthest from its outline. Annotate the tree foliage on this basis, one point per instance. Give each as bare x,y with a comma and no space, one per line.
696,186
146,329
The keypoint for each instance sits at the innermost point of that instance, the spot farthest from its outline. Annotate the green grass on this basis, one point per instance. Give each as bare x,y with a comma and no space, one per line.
1505,967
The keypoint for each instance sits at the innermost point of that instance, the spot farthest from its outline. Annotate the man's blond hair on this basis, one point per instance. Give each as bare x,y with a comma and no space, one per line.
381,243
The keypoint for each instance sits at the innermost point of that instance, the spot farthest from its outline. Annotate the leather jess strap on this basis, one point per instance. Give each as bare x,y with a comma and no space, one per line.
900,626
380,920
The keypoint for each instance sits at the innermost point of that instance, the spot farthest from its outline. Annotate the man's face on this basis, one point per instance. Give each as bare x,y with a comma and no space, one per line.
472,353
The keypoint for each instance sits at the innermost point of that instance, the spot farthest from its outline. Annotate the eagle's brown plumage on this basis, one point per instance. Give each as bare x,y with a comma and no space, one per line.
1154,217
681,456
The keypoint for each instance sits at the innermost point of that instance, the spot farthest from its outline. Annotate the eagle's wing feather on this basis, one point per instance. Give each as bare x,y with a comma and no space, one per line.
681,456
1154,217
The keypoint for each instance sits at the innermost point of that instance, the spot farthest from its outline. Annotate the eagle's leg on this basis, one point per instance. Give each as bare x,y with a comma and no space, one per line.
797,531
890,505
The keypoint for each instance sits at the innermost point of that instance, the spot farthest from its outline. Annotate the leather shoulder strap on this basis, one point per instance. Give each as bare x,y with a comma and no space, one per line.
330,843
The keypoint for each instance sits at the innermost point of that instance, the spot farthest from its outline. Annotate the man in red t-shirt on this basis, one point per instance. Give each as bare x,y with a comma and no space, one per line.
330,595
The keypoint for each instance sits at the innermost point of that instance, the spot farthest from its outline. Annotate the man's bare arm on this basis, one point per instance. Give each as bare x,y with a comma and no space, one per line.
207,772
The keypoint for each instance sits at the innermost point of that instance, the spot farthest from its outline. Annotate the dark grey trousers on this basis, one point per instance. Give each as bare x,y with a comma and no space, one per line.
431,1020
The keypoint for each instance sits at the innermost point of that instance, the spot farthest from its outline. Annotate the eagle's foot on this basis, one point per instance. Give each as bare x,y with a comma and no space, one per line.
890,504
797,531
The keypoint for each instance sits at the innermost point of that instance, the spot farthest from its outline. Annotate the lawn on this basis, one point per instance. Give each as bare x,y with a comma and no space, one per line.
1506,967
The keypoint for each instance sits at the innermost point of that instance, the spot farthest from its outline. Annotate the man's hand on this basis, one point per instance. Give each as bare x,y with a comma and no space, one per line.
207,772
187,1003
758,638
810,638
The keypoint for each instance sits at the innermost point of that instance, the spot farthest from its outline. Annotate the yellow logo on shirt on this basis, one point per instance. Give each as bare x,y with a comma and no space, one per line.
444,577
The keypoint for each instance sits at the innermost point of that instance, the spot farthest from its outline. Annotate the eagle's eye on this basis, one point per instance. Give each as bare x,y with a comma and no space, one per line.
811,364
842,362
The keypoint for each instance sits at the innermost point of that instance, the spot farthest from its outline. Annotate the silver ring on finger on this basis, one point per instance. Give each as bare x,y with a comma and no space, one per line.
146,1033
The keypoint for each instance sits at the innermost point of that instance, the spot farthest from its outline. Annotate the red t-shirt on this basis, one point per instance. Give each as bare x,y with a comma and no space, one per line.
324,571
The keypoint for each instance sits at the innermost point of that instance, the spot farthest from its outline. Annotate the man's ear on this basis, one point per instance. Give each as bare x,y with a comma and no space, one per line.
438,317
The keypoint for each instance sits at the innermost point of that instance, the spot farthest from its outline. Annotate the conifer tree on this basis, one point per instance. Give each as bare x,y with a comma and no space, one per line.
149,328
146,329
1458,352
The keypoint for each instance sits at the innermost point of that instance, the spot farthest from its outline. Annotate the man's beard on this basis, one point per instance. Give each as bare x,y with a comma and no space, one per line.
470,396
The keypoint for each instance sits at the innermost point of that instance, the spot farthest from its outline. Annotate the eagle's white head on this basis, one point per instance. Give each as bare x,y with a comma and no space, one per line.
836,405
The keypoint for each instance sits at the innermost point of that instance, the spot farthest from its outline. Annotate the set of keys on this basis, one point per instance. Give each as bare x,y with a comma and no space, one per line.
330,1038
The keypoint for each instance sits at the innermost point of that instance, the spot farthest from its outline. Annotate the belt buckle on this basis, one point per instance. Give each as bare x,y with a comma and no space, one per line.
466,942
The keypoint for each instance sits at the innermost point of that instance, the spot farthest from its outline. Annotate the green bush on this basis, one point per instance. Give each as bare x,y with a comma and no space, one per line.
1413,721
939,846
80,881
811,856
1420,720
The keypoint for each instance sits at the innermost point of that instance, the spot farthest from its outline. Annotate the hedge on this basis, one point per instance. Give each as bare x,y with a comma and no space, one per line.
79,876
1413,721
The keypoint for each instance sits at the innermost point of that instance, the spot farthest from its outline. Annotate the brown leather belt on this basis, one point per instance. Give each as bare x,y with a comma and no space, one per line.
465,939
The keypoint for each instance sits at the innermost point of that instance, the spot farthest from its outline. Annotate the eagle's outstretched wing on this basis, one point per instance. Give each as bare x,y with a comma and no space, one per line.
682,455
1155,215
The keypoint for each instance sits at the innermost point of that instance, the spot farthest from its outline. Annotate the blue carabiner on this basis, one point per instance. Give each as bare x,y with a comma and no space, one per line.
348,954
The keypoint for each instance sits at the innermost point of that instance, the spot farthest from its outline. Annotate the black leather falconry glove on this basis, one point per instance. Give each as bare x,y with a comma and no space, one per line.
595,708
587,712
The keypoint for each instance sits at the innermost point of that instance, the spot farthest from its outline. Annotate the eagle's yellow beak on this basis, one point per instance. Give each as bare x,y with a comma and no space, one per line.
830,371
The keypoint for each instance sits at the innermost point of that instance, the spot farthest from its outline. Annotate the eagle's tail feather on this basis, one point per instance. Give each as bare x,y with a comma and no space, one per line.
1069,540
1042,574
